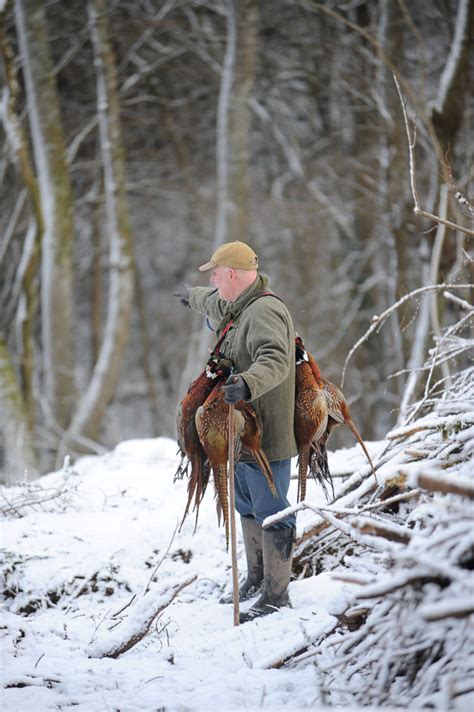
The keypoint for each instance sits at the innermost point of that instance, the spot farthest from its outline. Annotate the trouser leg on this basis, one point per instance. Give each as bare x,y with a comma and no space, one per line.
254,497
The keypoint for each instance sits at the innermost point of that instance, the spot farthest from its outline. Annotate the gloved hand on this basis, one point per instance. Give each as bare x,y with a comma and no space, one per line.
183,294
235,389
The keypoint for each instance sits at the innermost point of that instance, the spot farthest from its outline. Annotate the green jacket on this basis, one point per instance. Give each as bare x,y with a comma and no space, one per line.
261,343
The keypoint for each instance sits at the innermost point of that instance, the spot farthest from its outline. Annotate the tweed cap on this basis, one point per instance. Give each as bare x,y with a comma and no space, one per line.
232,254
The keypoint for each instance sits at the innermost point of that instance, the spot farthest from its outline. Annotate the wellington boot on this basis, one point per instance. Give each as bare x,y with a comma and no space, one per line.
252,533
277,559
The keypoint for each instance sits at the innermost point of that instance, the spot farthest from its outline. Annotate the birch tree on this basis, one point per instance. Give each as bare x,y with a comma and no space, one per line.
56,206
234,123
87,420
232,143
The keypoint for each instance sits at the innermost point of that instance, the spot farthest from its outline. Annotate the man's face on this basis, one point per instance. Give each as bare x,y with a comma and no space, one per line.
223,279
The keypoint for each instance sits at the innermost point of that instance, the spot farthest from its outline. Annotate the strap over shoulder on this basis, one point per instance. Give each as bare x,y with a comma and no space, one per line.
264,294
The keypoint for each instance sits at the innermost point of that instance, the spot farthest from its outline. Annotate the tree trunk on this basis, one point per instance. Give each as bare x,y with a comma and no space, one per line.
233,120
88,418
31,251
448,108
56,206
392,259
17,458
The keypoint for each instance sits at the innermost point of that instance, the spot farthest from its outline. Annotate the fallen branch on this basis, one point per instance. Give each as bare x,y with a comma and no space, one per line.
281,658
353,578
321,526
451,609
394,583
439,483
133,629
389,531
406,433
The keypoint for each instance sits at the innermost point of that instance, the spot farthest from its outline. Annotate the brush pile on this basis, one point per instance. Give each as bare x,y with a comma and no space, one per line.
405,546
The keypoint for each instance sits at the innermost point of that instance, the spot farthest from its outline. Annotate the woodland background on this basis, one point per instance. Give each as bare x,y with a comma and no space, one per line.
136,136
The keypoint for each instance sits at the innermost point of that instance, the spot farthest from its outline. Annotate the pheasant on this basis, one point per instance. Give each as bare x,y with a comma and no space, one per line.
310,422
212,428
192,452
338,411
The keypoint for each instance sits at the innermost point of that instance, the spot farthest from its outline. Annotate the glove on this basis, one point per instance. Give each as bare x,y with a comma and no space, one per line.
235,389
183,294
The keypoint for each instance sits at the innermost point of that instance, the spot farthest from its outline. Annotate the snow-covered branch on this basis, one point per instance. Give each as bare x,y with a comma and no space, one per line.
140,618
379,320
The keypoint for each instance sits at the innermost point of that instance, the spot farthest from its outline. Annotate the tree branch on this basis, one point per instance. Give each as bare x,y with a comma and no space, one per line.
136,631
411,157
378,320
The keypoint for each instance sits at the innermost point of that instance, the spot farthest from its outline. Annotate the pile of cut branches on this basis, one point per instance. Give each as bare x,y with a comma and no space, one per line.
406,549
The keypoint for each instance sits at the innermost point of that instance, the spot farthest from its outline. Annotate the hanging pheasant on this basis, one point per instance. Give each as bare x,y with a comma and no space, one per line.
311,417
337,411
212,426
193,456
338,414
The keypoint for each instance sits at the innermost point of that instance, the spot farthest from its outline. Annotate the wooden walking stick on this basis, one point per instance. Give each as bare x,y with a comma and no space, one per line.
233,536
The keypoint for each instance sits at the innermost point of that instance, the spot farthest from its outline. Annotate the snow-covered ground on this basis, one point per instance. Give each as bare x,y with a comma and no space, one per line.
94,551
70,570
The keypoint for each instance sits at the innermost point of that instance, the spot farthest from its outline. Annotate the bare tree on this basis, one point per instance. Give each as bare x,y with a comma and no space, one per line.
90,412
57,209
23,283
241,63
232,144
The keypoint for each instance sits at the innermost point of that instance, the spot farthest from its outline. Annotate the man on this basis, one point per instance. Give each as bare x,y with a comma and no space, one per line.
261,344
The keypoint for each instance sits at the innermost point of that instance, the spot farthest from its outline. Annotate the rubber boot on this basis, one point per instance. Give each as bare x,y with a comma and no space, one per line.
252,533
277,559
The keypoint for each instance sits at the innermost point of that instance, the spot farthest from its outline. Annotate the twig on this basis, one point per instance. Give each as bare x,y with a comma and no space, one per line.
461,302
40,658
411,155
163,602
433,276
121,610
378,320
147,588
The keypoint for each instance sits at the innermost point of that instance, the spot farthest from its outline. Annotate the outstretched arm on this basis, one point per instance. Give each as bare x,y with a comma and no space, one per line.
205,300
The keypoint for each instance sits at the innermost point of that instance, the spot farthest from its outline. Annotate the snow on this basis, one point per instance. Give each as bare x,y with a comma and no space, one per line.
107,562
76,568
